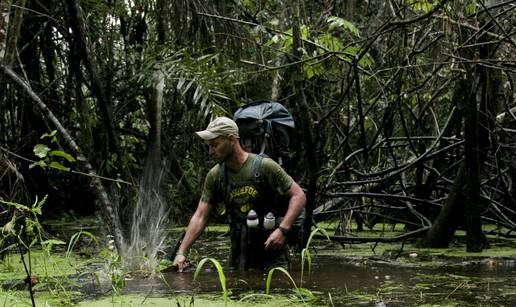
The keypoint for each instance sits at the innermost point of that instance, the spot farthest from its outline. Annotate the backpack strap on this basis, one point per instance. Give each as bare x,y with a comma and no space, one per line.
257,168
264,144
223,181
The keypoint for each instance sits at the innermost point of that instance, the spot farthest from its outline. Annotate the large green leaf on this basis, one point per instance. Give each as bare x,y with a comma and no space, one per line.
41,150
59,153
59,166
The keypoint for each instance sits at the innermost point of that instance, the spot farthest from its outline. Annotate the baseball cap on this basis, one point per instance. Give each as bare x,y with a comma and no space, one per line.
220,126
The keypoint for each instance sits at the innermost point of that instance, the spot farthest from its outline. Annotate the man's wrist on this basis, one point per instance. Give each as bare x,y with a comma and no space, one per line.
283,230
181,253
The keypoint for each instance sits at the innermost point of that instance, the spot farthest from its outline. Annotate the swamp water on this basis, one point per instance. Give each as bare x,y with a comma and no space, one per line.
338,277
349,276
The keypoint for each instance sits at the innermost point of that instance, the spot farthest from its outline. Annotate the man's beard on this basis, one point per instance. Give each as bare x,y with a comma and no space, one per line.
225,155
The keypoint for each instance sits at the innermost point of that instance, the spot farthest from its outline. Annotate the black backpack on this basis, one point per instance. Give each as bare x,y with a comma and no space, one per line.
266,128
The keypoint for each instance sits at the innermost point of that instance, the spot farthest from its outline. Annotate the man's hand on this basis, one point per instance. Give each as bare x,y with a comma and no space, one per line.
180,262
275,240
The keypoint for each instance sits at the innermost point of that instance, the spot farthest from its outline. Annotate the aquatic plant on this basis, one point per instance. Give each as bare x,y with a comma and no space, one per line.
114,266
75,238
305,252
24,230
302,293
220,271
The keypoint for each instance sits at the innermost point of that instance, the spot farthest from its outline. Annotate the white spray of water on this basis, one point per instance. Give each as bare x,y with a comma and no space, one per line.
149,212
148,226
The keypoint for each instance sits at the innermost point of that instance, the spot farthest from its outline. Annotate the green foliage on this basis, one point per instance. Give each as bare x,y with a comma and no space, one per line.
302,294
305,252
338,22
75,238
47,155
23,232
220,271
24,226
41,150
422,5
330,41
195,78
114,266
269,278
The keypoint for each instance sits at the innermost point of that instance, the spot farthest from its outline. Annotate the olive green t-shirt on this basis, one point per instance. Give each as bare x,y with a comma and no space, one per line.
272,175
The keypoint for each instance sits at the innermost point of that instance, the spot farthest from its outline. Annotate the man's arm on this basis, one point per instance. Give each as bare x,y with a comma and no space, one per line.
195,227
297,200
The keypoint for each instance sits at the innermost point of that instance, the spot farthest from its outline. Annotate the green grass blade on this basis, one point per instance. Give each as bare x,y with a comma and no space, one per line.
75,238
269,278
220,271
305,253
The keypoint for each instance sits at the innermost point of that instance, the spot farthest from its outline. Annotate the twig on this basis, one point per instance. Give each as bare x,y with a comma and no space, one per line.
29,275
456,288
71,171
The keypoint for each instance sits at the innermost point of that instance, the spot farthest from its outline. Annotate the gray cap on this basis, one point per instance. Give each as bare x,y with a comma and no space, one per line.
220,126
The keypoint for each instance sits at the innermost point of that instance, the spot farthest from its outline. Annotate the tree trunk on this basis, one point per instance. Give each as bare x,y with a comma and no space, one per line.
444,226
5,5
12,28
472,164
305,123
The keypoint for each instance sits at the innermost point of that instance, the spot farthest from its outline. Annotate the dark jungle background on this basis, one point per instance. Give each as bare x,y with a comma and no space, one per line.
405,109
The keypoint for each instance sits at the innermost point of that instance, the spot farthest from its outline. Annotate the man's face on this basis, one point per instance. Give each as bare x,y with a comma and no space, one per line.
220,148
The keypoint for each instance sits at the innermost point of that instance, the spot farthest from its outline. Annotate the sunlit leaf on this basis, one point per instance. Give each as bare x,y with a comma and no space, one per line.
59,153
338,22
366,60
39,163
41,150
16,205
329,42
470,8
59,166
49,135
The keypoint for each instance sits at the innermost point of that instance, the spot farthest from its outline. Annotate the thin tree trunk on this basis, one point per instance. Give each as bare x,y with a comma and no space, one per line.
13,31
97,80
303,112
4,23
112,219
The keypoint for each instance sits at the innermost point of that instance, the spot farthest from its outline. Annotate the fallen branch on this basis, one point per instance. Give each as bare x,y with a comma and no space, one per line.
346,239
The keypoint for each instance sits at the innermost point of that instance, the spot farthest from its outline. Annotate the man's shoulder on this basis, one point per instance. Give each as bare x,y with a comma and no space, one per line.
264,160
268,163
214,171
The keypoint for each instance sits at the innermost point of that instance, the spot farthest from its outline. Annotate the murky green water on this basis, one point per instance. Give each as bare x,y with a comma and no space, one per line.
409,280
350,276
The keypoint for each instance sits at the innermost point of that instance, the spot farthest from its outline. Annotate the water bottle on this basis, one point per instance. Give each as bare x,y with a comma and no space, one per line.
269,221
252,219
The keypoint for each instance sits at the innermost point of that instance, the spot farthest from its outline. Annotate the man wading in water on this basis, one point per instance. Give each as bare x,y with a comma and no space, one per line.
264,204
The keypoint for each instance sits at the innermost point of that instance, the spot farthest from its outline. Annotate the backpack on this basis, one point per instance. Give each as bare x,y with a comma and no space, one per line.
266,128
